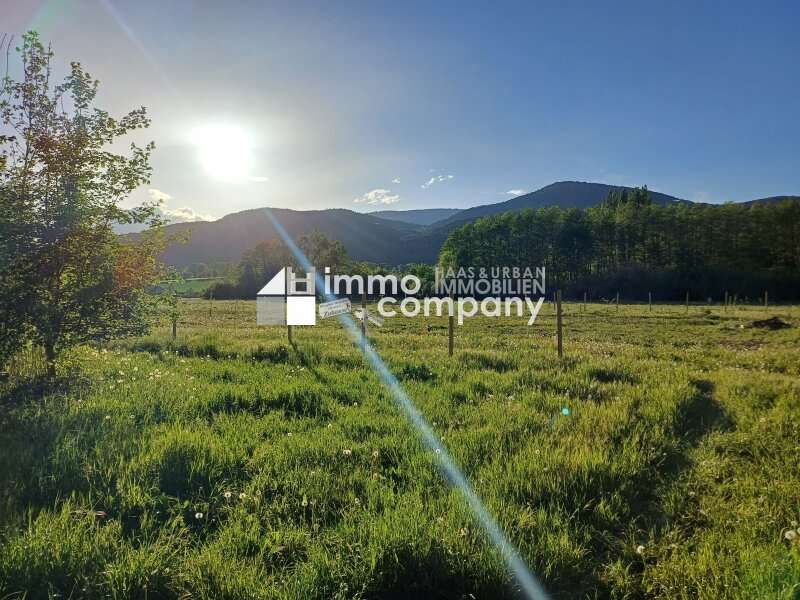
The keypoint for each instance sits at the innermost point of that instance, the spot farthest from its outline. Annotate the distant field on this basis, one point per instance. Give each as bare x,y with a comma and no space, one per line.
194,287
228,464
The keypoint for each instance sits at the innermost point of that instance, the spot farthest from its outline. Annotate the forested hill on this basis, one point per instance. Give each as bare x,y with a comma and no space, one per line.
365,237
390,237
633,245
424,216
772,200
564,194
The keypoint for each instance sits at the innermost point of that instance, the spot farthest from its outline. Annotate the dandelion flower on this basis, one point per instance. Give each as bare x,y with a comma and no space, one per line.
227,495
375,454
242,496
790,535
198,515
639,549
347,452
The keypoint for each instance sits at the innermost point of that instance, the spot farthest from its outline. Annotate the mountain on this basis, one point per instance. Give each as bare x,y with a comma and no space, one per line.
391,237
425,216
564,194
772,200
365,237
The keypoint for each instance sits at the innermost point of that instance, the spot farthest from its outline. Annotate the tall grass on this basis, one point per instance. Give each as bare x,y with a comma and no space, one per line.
659,459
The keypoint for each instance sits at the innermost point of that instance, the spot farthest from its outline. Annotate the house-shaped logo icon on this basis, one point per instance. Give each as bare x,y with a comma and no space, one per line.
287,299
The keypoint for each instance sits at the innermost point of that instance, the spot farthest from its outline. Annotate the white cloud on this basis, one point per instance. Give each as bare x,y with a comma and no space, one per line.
257,178
185,214
435,179
378,196
516,192
158,196
395,180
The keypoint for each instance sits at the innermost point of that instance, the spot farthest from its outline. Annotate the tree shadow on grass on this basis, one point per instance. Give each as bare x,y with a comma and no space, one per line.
642,491
16,394
701,414
28,434
407,571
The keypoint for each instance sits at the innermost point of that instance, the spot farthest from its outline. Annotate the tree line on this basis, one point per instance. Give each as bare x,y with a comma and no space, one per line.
259,264
631,245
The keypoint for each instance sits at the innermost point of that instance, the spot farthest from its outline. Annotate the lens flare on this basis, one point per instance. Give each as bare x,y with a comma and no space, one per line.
526,580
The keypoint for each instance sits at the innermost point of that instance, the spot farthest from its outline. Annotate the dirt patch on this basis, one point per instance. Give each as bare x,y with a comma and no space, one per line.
771,323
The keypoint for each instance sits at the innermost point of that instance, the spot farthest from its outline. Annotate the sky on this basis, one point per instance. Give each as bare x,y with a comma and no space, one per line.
405,105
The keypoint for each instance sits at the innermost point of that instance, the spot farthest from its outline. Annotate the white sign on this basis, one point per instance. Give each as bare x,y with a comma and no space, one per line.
374,319
334,307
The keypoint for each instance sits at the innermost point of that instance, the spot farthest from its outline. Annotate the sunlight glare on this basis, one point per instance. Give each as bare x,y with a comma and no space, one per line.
225,151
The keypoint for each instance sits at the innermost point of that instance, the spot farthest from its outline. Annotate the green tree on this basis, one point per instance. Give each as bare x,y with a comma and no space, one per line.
170,297
261,263
65,276
322,251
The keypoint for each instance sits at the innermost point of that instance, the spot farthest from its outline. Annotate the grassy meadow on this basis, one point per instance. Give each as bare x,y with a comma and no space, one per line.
659,458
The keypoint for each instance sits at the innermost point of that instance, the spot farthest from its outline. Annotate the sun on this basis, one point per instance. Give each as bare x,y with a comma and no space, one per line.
224,150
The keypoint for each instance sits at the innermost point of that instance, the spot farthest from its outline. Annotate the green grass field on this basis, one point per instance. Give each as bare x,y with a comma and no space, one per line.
193,287
229,464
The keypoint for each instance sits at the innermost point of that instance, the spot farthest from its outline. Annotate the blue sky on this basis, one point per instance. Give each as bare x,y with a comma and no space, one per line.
417,105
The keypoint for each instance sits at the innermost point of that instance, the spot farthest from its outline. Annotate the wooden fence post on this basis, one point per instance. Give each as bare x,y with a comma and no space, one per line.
559,333
289,333
617,301
687,302
766,299
364,318
450,328
725,306
584,301
650,301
